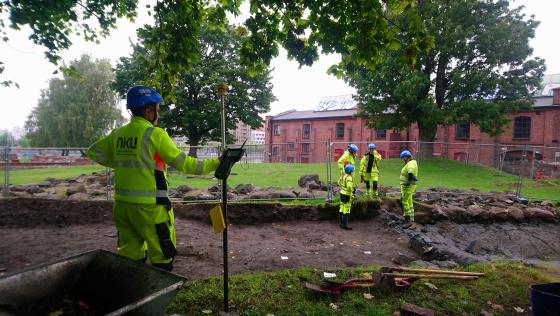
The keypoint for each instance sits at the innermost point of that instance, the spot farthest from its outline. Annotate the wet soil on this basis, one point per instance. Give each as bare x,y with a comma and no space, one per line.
261,236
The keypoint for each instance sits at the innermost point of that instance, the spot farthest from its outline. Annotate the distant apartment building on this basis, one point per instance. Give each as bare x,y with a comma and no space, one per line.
245,132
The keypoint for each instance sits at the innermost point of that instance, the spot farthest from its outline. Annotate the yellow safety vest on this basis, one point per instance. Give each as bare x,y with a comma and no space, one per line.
409,167
139,152
364,163
345,159
346,183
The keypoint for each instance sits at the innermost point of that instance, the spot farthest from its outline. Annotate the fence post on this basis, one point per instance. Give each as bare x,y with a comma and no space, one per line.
6,171
532,173
108,173
329,172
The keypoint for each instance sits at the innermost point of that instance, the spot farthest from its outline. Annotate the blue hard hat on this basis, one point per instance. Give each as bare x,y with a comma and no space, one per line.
348,169
353,147
371,146
138,96
405,153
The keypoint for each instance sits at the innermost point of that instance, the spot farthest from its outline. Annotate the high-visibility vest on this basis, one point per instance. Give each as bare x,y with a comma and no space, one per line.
364,163
139,152
410,167
345,159
346,183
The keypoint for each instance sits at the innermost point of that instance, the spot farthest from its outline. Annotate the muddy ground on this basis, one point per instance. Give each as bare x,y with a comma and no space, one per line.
35,231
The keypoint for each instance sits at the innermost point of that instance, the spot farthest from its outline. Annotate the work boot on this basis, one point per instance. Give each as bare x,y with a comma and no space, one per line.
345,225
412,226
407,222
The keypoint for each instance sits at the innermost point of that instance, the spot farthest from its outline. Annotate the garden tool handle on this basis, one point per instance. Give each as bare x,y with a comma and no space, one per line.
431,276
438,271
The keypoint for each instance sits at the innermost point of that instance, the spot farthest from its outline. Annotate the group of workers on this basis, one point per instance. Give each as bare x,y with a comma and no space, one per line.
139,153
369,174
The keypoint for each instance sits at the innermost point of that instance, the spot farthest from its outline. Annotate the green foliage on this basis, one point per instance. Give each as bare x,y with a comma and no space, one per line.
359,30
52,22
282,293
75,110
479,70
197,111
6,138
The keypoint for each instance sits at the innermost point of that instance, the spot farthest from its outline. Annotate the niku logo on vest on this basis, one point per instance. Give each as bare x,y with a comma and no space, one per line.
127,142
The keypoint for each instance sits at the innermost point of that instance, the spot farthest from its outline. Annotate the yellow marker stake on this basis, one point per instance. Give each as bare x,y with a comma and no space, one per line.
217,217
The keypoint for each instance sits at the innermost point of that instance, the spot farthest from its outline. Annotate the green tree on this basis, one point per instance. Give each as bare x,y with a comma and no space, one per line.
197,112
479,70
6,138
360,30
76,110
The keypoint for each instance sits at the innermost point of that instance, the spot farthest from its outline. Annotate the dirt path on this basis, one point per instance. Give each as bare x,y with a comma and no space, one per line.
39,231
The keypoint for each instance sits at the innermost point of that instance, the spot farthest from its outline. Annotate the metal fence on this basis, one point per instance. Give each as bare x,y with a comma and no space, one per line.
523,161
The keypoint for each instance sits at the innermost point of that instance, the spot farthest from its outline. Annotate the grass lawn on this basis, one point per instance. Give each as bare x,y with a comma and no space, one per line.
432,173
36,175
282,293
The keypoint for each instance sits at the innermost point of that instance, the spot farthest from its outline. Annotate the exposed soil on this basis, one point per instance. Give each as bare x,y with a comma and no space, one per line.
262,236
35,231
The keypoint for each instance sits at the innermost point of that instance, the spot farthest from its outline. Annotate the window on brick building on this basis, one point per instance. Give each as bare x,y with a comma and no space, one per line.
463,130
276,129
339,130
275,151
305,148
291,146
380,133
522,127
306,130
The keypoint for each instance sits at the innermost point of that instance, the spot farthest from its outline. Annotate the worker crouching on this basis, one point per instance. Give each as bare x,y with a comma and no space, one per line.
347,192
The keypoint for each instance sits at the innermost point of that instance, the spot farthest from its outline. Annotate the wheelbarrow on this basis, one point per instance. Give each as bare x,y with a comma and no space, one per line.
92,283
392,279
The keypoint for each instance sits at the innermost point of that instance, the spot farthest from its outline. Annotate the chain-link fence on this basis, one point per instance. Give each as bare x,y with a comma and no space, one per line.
26,165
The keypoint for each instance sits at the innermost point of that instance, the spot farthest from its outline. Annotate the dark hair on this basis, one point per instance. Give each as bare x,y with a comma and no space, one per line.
140,111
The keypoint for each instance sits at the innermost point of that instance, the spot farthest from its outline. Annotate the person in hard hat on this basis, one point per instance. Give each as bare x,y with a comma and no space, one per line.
347,158
408,179
139,152
347,192
369,170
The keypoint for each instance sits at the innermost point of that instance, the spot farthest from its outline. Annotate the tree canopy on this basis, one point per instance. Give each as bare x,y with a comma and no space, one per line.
479,70
359,30
75,111
197,107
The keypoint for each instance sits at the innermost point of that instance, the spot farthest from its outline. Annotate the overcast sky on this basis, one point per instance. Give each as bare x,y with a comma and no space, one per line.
294,88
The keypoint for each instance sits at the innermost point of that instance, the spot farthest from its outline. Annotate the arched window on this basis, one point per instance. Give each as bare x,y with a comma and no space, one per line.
522,127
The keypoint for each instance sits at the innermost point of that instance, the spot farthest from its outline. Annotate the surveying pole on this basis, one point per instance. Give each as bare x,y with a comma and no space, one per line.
222,92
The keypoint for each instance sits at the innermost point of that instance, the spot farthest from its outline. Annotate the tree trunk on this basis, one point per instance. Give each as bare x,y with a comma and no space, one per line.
426,146
193,146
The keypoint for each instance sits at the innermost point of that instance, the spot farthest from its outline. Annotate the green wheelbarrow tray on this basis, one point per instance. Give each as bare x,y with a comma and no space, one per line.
97,282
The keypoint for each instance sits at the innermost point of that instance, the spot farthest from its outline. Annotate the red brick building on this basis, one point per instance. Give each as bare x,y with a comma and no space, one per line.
302,136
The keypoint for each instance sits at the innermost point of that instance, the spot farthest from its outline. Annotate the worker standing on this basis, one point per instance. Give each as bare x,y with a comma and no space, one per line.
139,152
347,192
408,179
347,158
369,170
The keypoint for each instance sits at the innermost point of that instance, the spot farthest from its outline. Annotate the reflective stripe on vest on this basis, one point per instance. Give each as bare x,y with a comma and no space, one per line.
178,161
199,166
141,193
134,164
102,159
